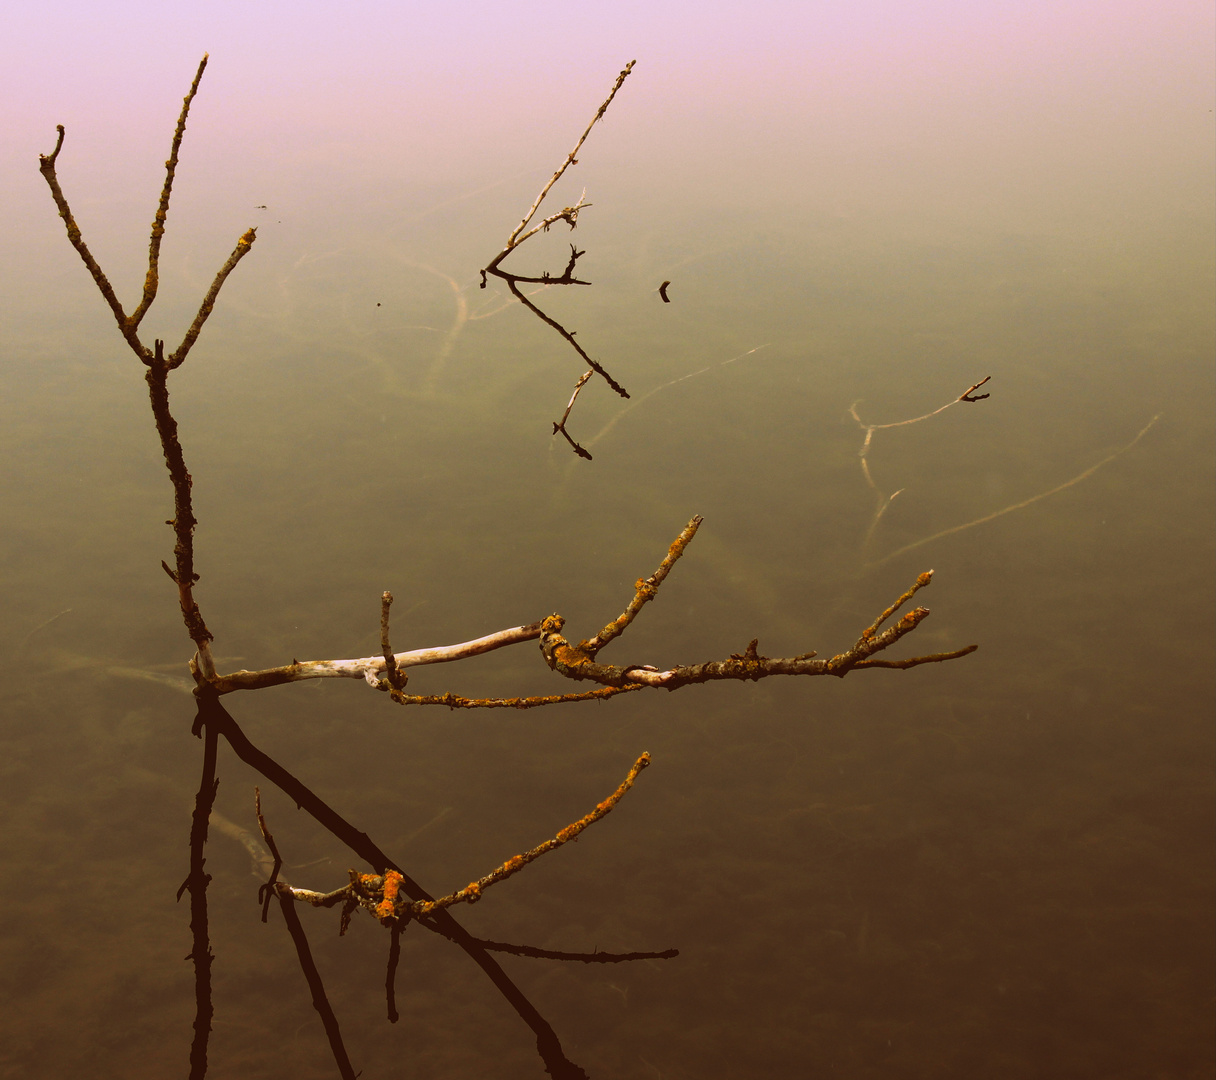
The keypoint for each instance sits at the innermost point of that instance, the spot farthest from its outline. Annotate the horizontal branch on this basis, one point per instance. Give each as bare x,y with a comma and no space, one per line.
578,662
372,668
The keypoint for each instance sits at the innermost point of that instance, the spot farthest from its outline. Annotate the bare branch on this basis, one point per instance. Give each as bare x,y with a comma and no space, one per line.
559,428
267,891
454,702
320,1001
238,253
574,662
472,892
162,210
569,215
567,334
381,893
578,662
371,668
46,165
183,521
571,159
646,590
395,679
197,882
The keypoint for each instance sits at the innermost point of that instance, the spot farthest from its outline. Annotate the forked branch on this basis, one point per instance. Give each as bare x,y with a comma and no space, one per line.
579,661
569,215
380,894
128,325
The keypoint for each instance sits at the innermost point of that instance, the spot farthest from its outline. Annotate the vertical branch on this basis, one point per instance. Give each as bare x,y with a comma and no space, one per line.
196,882
183,521
320,1001
646,588
266,891
395,678
390,975
559,426
152,280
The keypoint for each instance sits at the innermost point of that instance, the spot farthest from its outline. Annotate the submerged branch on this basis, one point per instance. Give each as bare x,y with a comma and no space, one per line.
1019,505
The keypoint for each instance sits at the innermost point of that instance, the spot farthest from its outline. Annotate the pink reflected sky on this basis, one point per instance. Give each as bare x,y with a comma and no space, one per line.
1027,112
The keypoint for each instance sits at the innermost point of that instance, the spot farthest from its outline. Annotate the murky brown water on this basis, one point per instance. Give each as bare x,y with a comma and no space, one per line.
998,867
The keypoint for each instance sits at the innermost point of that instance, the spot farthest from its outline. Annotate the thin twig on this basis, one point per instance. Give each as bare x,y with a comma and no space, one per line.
46,165
390,975
518,236
967,395
560,426
238,253
394,678
646,590
267,890
452,701
571,159
472,892
884,501
152,280
569,335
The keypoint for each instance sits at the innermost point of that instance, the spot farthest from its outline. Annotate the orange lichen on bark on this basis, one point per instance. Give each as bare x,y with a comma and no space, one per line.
392,885
472,892
645,590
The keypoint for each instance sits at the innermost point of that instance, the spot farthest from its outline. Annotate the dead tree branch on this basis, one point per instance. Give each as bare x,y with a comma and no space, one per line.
152,280
196,882
579,661
380,894
547,1043
569,215
388,892
159,366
